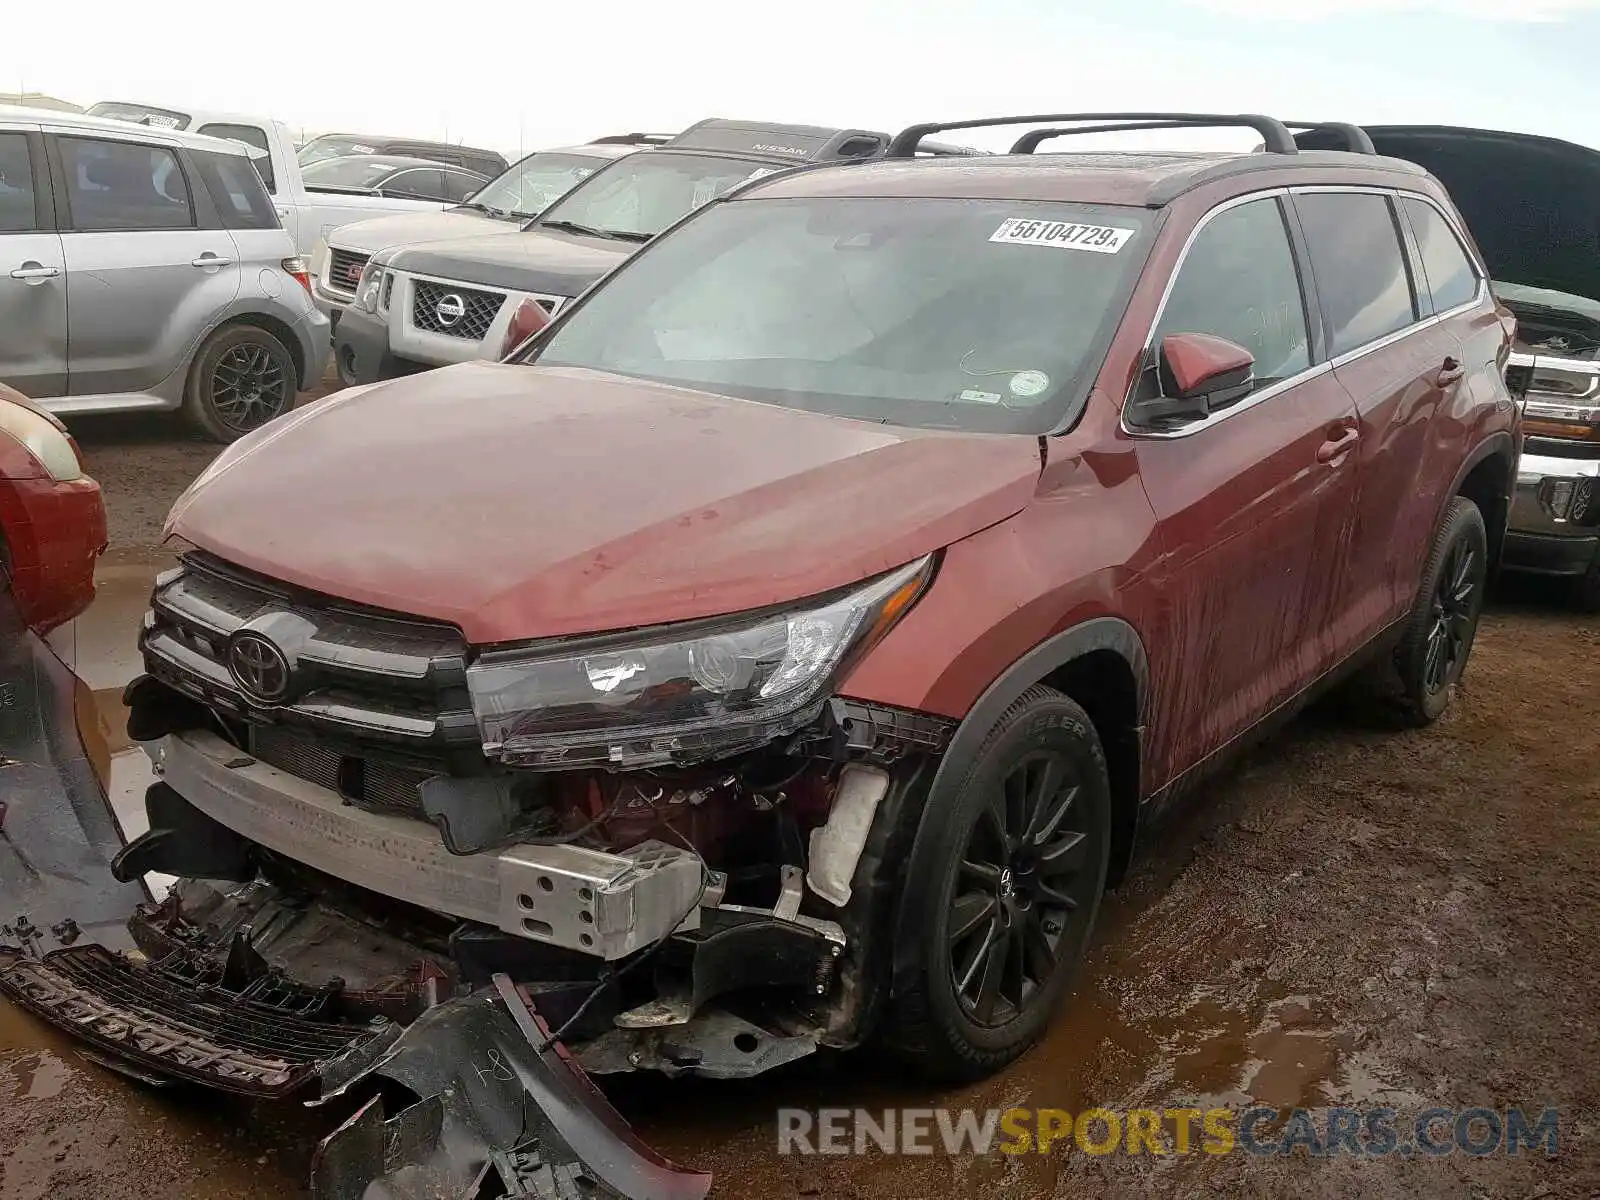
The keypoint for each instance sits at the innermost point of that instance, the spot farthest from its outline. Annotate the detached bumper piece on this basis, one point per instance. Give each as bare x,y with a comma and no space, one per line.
177,1020
500,1113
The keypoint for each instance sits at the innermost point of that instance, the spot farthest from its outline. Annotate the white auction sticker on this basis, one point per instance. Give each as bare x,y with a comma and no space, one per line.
979,396
1066,235
1029,383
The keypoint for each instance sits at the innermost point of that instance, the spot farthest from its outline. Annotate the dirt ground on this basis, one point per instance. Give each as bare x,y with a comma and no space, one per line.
1353,916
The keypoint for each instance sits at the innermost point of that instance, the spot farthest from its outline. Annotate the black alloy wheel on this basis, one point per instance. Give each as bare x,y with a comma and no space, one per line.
1001,891
1437,639
1024,878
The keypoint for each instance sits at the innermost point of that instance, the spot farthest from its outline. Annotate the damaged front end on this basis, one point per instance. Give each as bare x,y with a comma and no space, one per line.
372,903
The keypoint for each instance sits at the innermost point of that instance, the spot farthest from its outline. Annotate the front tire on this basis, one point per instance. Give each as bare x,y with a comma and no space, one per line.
242,378
1004,893
1438,635
1587,592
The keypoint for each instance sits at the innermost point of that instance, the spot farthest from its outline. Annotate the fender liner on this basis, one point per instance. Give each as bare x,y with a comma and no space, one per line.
1098,633
1500,442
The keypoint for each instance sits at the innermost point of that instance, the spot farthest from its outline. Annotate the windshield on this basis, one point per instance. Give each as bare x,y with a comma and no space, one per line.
644,193
353,172
537,182
335,145
142,114
969,314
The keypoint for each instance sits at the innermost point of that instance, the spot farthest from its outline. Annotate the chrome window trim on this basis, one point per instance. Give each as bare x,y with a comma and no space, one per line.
1316,369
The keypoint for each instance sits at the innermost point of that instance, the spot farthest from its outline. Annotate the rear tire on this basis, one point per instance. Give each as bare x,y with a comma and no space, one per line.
1438,635
1004,893
242,378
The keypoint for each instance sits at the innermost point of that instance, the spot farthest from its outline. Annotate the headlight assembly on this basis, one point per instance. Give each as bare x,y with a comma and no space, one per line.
683,692
370,293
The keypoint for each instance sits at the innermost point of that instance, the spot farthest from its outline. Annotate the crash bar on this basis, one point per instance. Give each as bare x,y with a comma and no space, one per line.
1273,132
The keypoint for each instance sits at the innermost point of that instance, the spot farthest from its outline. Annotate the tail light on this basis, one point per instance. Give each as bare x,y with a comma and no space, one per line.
296,266
529,318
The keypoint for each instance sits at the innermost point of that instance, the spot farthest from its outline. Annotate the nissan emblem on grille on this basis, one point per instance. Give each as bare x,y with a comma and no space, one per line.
450,309
259,668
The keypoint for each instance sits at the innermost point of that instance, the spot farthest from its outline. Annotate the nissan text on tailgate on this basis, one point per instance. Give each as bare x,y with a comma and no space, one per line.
787,645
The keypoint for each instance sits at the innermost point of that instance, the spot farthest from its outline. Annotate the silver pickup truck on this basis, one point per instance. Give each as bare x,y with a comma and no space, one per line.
1533,204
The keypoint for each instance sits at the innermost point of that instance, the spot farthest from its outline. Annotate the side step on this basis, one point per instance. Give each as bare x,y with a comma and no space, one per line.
168,1019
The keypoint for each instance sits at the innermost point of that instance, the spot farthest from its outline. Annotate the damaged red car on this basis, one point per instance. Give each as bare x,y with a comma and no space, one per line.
788,645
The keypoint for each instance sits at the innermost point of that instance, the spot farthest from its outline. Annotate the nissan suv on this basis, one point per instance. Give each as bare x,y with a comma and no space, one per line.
787,646
428,304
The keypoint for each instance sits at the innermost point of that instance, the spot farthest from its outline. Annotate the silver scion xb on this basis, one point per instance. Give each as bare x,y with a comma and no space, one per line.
146,269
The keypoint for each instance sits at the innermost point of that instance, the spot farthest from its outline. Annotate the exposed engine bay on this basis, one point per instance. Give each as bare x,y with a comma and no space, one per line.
350,907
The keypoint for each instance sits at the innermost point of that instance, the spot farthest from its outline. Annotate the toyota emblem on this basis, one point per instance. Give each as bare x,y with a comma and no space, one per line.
450,309
259,668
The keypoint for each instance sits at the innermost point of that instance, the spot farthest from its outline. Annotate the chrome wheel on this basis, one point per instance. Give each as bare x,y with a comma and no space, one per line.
249,387
1025,880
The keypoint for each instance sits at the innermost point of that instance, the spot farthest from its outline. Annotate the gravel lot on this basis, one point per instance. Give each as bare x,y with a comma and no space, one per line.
1354,916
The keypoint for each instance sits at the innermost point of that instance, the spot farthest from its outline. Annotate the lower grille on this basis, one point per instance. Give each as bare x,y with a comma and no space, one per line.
179,1021
367,783
454,311
344,270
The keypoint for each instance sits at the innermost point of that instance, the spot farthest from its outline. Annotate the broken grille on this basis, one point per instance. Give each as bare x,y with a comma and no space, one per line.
453,311
263,1040
368,783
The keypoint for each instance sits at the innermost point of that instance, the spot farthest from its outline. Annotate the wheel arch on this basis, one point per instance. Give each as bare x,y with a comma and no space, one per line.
1102,666
1488,477
279,329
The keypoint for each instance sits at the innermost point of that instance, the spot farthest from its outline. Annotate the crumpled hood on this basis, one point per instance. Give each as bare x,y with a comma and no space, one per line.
538,260
1532,203
383,233
524,502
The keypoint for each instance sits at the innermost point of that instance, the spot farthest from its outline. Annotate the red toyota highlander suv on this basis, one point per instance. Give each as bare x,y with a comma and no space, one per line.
817,608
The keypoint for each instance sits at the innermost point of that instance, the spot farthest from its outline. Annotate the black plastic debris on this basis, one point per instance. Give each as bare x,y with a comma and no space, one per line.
265,1038
497,1111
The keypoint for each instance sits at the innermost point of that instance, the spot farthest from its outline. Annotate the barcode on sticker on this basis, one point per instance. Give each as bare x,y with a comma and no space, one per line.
1024,231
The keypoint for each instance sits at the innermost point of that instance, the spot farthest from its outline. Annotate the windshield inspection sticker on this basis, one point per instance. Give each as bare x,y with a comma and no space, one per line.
1065,235
979,396
1029,383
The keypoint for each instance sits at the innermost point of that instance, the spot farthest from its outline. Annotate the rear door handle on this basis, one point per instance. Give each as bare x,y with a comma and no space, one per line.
1339,445
210,260
33,270
1450,371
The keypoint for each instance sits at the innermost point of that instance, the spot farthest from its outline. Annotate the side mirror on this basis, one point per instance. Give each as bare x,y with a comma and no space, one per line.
1200,374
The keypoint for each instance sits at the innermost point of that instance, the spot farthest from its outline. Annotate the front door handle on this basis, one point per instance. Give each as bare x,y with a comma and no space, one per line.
210,260
34,272
1450,371
1340,444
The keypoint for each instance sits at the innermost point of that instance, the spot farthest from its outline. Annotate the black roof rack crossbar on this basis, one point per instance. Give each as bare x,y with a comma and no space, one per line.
1030,141
1355,138
1274,133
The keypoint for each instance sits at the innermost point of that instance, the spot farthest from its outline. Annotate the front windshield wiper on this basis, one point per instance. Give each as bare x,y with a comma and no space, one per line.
614,235
499,214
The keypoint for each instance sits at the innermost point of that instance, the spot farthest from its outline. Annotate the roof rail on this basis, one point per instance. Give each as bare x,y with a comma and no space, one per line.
1356,139
1274,133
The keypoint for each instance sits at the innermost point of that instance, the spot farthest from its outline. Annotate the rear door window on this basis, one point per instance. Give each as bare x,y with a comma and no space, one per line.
18,206
250,135
1238,281
424,182
236,189
458,185
1449,273
1362,284
124,185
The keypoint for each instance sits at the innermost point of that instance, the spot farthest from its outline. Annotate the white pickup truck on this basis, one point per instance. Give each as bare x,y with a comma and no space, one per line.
309,214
